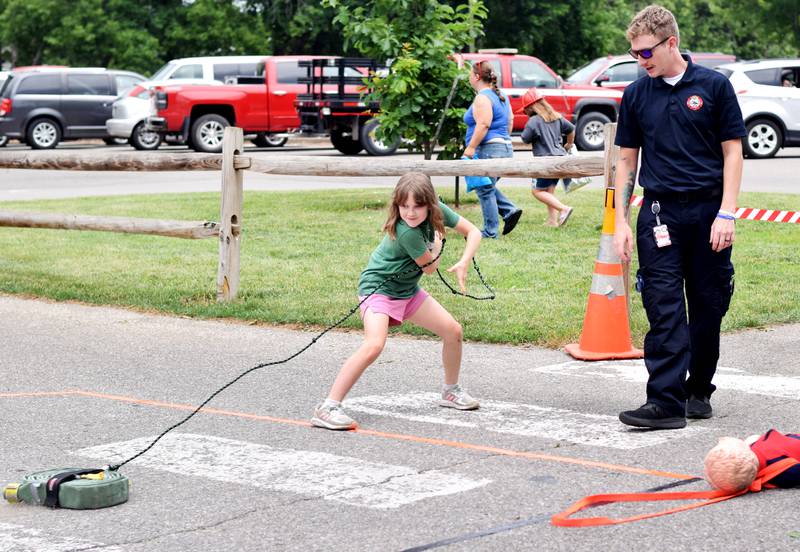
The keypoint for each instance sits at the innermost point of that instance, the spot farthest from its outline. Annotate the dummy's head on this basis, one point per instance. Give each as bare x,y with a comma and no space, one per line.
731,466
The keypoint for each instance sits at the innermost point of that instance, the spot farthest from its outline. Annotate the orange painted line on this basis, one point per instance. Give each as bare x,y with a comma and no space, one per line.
176,406
401,437
36,394
525,454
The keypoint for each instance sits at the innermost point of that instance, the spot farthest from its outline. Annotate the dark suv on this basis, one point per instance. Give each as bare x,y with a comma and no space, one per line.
44,107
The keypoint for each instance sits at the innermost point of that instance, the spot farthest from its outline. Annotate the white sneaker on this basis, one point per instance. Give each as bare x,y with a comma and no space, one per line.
458,398
332,417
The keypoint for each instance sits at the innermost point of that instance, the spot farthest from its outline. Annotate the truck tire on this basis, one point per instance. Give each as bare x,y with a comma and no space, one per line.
267,140
206,133
371,142
764,139
143,139
43,133
589,131
343,141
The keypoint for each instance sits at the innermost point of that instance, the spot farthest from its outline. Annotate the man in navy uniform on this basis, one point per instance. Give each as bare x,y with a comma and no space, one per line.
686,121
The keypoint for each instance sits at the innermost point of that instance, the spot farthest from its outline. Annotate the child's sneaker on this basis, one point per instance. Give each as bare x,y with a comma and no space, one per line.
458,398
332,417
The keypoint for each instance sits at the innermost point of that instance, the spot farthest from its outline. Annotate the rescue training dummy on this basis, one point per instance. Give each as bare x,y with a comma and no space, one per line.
733,467
733,464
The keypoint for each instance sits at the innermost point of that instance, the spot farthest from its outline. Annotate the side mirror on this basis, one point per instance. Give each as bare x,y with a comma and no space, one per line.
602,79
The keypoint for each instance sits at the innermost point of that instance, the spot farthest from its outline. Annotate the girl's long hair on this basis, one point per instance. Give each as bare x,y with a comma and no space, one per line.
485,72
418,186
543,110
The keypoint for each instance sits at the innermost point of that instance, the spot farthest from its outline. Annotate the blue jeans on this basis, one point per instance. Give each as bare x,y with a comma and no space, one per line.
492,200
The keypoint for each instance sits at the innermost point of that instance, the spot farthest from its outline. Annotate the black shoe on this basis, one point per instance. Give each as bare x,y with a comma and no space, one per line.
511,222
653,416
699,408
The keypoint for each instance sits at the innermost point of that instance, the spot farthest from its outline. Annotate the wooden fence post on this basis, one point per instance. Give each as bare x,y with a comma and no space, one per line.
230,216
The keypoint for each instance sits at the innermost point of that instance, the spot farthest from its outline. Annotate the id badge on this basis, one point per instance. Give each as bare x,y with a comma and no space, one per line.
661,233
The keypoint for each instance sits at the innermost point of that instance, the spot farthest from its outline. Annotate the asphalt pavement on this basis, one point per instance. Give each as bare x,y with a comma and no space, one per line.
86,386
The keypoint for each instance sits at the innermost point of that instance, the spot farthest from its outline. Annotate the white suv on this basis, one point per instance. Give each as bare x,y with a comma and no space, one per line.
769,97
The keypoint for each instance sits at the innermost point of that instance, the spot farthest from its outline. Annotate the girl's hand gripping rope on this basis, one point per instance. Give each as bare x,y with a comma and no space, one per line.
460,270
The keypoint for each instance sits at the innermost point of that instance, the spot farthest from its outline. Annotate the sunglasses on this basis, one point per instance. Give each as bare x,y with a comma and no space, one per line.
646,53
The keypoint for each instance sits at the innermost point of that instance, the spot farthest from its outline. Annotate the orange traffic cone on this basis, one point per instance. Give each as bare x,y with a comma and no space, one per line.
606,331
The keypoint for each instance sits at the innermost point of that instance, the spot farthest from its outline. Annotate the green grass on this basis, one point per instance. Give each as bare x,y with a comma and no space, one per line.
302,253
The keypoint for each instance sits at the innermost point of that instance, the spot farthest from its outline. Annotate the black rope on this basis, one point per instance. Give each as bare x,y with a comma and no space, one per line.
456,292
411,271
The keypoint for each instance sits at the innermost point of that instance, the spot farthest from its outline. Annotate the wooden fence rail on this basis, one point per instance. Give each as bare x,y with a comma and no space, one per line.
127,225
232,164
528,167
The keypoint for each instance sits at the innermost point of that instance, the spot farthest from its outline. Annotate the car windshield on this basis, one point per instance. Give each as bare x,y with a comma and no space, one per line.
584,73
159,75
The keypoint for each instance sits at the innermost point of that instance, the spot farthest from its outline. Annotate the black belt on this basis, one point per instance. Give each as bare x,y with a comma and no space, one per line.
685,197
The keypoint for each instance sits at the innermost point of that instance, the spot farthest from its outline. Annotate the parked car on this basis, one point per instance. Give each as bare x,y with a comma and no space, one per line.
769,97
262,105
617,72
588,107
43,107
129,111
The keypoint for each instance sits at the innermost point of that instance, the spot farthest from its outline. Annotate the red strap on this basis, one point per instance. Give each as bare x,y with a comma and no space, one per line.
708,497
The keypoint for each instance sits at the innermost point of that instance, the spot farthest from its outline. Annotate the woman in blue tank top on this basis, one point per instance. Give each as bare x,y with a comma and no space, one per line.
489,123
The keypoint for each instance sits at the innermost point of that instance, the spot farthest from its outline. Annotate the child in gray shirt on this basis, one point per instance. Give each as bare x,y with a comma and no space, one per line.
547,131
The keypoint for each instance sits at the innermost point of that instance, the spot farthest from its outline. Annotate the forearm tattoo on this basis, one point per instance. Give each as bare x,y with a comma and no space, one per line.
628,192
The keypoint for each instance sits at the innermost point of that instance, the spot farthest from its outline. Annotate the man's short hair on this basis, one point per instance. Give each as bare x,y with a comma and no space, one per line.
653,20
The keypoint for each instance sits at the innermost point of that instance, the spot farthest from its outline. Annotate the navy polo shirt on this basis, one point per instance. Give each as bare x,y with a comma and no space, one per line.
680,129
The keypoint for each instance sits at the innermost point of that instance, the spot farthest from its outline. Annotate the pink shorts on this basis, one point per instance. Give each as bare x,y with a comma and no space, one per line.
396,309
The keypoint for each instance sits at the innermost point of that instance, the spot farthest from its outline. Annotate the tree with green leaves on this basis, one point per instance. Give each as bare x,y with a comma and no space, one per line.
299,26
413,94
138,36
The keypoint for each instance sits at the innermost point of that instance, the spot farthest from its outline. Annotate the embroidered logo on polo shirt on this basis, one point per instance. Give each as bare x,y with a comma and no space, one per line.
694,102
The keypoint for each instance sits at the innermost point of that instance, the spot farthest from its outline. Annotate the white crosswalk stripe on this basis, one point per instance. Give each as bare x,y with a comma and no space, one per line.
17,538
517,419
634,371
343,479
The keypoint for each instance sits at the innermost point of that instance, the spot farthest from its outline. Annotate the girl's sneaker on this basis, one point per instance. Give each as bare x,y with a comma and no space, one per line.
458,398
332,417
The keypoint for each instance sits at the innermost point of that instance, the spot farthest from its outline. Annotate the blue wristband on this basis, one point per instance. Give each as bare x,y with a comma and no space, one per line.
725,217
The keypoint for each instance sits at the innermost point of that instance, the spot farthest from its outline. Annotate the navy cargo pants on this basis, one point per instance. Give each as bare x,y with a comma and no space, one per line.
686,273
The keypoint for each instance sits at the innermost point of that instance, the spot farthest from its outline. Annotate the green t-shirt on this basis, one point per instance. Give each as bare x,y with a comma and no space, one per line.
394,256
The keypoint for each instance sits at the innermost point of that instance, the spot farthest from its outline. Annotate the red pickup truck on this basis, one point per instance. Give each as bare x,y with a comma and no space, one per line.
259,105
